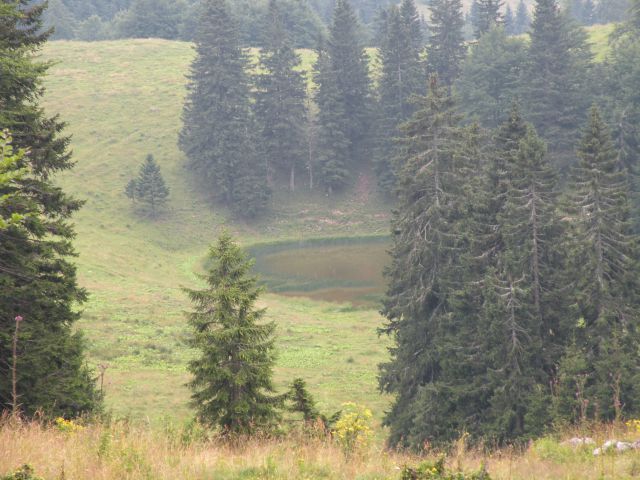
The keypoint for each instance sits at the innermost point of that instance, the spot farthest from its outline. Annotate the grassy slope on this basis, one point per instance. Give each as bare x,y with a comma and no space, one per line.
123,100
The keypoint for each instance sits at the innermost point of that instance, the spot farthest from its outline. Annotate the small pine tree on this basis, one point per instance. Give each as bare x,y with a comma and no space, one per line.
232,377
302,401
149,188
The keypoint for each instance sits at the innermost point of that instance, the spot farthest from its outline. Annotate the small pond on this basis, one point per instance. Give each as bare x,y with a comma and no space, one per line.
335,270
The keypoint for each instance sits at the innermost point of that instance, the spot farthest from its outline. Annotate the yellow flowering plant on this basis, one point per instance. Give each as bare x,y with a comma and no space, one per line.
634,425
67,426
353,430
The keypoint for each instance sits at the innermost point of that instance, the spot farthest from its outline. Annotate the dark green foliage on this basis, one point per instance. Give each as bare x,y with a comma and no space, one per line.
555,91
149,189
605,261
332,142
607,11
509,21
280,103
490,77
621,92
37,278
523,19
232,376
218,132
438,471
582,11
487,16
302,401
403,75
445,46
25,472
59,17
152,19
427,236
343,99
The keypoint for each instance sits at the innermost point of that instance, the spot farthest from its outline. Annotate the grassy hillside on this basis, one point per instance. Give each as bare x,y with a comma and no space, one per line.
123,100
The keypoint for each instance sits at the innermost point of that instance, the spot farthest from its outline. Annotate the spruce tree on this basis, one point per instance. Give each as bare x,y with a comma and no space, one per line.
419,297
605,264
332,142
280,103
343,77
555,89
37,279
149,189
621,94
509,21
487,17
445,46
490,77
350,64
232,385
523,19
402,77
218,133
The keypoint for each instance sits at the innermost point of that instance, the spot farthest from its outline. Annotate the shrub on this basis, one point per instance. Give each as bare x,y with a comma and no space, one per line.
25,472
353,429
438,471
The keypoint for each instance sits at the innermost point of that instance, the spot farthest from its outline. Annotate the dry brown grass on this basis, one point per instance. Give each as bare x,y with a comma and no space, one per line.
122,451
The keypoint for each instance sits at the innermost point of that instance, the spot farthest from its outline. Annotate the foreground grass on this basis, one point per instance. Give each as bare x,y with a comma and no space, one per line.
122,451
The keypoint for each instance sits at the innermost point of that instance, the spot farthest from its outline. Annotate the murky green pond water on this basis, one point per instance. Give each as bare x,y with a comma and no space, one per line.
336,270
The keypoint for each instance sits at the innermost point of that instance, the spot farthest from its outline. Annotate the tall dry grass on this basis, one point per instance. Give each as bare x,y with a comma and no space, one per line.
122,451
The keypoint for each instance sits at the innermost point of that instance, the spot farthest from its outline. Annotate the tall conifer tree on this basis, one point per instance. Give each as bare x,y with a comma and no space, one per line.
281,96
403,75
490,79
445,46
232,378
420,291
523,19
332,142
487,16
218,133
37,279
606,269
554,92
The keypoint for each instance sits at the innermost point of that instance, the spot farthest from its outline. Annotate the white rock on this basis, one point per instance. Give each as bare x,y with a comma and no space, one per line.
623,446
597,452
609,444
636,445
579,441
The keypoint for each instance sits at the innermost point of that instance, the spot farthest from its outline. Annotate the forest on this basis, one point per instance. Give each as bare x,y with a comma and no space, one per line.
365,239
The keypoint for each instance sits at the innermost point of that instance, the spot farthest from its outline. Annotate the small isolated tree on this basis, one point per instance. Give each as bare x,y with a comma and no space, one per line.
232,377
149,188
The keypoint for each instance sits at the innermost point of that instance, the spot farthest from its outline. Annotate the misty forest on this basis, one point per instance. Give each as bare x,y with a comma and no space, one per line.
319,239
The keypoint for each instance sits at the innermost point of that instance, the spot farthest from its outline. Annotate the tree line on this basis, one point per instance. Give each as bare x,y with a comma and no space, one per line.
513,298
270,125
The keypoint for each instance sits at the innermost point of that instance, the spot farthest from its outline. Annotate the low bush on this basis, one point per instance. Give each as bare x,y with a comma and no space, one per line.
438,471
